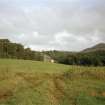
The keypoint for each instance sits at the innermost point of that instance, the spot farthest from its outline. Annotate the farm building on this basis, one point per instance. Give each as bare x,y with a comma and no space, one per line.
48,59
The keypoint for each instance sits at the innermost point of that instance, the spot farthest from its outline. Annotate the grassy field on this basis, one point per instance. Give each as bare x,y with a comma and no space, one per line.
38,83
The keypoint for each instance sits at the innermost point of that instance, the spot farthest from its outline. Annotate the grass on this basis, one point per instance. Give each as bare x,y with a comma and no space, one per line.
38,83
31,66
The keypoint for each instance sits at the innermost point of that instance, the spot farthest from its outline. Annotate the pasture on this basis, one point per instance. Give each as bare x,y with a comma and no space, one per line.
25,82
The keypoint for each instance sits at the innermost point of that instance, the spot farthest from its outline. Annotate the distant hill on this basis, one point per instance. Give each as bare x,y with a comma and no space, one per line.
98,47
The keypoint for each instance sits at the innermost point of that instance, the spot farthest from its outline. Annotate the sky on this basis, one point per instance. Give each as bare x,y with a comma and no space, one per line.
70,25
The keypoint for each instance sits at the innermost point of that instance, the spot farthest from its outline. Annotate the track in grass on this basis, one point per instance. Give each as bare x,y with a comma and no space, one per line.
38,83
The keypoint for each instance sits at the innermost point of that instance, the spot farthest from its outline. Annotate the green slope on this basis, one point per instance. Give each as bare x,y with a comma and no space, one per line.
32,66
37,83
98,47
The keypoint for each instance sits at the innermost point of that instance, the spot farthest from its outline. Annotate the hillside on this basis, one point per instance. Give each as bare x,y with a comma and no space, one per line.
98,47
25,82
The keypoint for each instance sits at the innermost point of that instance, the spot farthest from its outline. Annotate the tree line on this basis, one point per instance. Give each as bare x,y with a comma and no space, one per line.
17,51
96,58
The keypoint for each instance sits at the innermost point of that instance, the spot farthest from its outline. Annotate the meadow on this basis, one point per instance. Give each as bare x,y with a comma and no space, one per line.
25,82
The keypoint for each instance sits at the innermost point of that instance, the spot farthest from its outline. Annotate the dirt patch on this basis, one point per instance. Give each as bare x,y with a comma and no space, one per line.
103,94
5,94
94,93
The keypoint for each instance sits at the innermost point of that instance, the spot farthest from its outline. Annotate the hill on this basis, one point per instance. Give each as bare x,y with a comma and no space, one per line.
25,82
98,47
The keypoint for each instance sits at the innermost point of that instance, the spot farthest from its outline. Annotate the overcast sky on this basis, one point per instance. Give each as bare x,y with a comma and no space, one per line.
53,24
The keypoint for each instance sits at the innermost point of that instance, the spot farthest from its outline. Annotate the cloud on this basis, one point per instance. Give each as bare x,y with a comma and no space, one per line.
68,41
53,24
